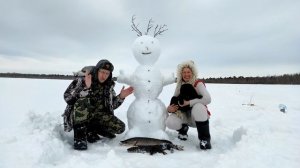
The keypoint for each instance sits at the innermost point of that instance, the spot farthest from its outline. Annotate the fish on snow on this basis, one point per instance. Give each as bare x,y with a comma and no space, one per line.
149,145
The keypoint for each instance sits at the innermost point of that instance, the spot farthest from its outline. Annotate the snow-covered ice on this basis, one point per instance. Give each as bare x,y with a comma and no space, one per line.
247,127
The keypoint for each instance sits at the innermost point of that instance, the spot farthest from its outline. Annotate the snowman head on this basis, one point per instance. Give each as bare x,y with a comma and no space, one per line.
146,48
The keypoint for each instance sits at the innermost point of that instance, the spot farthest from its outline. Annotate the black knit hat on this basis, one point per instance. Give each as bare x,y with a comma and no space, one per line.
105,64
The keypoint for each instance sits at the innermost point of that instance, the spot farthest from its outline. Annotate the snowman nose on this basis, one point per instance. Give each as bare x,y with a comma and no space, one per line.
147,48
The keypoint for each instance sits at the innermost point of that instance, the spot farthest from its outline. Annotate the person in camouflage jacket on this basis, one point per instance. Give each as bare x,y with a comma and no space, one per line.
93,100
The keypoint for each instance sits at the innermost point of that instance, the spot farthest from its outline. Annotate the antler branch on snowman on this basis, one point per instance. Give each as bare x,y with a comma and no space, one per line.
149,26
134,27
160,30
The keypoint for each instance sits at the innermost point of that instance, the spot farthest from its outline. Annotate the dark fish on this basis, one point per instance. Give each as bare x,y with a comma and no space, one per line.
149,145
136,141
152,149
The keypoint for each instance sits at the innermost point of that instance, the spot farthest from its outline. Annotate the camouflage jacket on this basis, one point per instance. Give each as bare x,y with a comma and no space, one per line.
104,95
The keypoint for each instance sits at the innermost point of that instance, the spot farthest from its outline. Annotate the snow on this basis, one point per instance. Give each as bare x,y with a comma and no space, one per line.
243,135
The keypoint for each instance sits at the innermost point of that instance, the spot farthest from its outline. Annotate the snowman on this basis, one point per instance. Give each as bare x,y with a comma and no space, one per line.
146,114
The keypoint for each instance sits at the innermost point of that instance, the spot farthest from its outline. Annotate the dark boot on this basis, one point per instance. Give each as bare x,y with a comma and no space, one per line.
80,141
182,132
203,134
92,137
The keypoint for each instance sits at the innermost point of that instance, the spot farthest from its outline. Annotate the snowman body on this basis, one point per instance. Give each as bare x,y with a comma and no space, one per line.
146,114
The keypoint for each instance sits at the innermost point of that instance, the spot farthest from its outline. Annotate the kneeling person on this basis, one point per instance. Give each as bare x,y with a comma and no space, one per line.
94,106
192,111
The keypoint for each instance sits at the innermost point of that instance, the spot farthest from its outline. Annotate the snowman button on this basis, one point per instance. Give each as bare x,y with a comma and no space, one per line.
148,70
149,121
149,81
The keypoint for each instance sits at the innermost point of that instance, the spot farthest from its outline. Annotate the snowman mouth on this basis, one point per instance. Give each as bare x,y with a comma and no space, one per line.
146,53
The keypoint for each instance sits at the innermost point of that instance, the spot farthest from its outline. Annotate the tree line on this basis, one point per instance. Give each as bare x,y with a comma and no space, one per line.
289,79
36,76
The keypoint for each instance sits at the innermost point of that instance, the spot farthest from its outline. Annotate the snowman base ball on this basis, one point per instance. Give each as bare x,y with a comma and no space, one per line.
146,118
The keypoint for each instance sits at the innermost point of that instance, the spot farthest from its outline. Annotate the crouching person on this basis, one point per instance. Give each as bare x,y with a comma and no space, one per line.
94,106
192,110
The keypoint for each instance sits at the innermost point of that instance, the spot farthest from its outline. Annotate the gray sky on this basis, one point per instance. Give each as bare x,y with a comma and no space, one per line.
223,37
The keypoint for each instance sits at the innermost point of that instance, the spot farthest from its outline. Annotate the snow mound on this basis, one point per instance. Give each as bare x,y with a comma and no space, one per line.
238,134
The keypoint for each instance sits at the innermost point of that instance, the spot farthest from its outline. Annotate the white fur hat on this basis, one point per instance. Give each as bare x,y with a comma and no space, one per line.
186,64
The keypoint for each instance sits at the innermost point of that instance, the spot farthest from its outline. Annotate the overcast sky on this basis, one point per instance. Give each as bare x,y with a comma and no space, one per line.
223,37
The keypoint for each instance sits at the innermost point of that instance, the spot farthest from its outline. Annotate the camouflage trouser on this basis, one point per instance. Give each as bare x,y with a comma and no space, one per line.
85,113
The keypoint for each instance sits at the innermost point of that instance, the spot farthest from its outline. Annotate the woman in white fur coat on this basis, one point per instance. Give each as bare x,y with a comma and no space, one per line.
191,111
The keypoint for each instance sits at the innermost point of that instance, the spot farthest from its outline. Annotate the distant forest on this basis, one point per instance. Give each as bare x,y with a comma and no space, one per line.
288,79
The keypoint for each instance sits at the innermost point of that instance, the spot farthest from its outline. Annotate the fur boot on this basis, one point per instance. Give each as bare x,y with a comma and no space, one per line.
203,134
182,132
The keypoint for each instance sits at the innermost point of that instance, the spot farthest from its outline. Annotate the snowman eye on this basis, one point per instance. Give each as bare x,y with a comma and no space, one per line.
152,42
142,42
